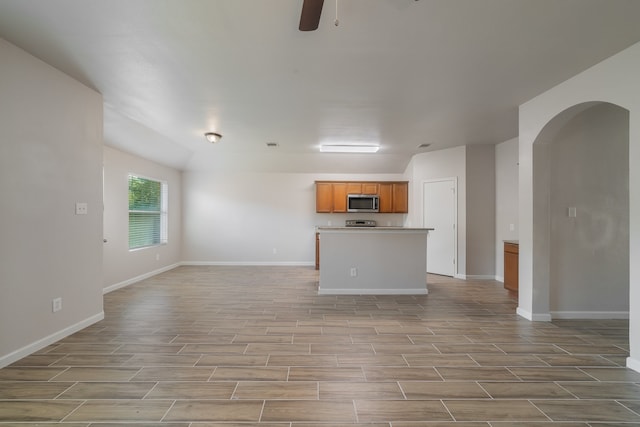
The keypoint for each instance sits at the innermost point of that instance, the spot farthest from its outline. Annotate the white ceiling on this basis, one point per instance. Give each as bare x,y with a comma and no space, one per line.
395,72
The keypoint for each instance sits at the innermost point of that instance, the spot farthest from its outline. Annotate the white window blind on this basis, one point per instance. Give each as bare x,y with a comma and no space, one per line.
148,203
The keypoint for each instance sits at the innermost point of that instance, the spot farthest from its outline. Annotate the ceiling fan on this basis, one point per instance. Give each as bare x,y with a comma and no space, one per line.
310,16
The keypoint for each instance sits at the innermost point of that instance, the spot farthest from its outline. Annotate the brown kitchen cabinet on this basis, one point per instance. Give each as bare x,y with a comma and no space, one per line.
324,197
331,196
400,197
339,197
370,188
394,197
354,188
385,193
511,251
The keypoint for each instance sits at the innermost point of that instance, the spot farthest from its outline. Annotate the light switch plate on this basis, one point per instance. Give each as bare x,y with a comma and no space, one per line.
572,212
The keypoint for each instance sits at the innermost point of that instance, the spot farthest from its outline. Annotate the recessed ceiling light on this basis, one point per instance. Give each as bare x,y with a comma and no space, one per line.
346,148
272,144
424,145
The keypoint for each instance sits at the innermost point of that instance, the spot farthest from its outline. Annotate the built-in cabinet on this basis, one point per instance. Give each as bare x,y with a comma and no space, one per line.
511,251
331,196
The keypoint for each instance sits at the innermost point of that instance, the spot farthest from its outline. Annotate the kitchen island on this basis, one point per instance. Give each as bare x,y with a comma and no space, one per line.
373,260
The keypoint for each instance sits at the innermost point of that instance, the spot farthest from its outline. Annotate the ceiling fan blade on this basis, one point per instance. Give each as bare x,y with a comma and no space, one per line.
310,17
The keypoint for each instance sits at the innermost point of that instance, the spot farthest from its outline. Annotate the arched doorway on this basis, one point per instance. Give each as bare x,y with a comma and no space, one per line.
581,213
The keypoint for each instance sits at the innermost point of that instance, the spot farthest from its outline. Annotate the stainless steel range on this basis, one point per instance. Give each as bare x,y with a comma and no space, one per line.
360,223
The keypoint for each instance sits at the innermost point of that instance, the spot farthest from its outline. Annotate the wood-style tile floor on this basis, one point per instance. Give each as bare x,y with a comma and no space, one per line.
246,346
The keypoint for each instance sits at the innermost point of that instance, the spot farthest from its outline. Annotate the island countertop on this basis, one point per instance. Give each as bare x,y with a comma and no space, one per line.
408,229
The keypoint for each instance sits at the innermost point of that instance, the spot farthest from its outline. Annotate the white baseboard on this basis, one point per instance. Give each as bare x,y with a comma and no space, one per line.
523,313
480,277
133,280
252,263
372,291
633,364
42,343
589,314
541,317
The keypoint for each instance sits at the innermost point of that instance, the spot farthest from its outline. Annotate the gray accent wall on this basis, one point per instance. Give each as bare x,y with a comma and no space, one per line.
481,211
589,260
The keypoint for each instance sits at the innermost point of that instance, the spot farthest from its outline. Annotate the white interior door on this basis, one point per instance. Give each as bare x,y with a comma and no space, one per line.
440,213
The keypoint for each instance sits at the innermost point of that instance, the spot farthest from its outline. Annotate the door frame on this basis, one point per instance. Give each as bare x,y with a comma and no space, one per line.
453,179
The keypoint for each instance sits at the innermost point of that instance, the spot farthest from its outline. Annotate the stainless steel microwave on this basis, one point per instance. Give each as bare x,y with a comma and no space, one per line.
363,203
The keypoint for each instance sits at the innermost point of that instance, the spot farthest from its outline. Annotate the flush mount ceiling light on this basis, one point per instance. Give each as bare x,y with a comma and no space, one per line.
213,137
349,148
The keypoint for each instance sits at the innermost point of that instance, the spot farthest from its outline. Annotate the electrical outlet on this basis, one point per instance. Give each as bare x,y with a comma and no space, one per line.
275,251
157,257
81,208
354,272
56,304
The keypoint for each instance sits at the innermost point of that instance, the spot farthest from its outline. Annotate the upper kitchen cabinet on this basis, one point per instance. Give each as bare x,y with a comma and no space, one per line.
394,197
370,188
386,197
331,196
324,197
400,197
340,197
353,187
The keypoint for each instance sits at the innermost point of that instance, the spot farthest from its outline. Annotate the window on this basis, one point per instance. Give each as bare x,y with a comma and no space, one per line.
147,212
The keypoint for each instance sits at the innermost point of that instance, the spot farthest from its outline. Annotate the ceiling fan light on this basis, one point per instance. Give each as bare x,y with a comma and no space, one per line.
213,137
347,148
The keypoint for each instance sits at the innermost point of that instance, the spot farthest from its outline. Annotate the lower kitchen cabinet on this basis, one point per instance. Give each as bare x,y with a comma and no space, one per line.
511,251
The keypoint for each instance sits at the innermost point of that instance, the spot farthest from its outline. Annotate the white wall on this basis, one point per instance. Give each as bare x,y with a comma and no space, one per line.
122,266
50,158
506,199
449,163
614,80
481,211
259,218
589,254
